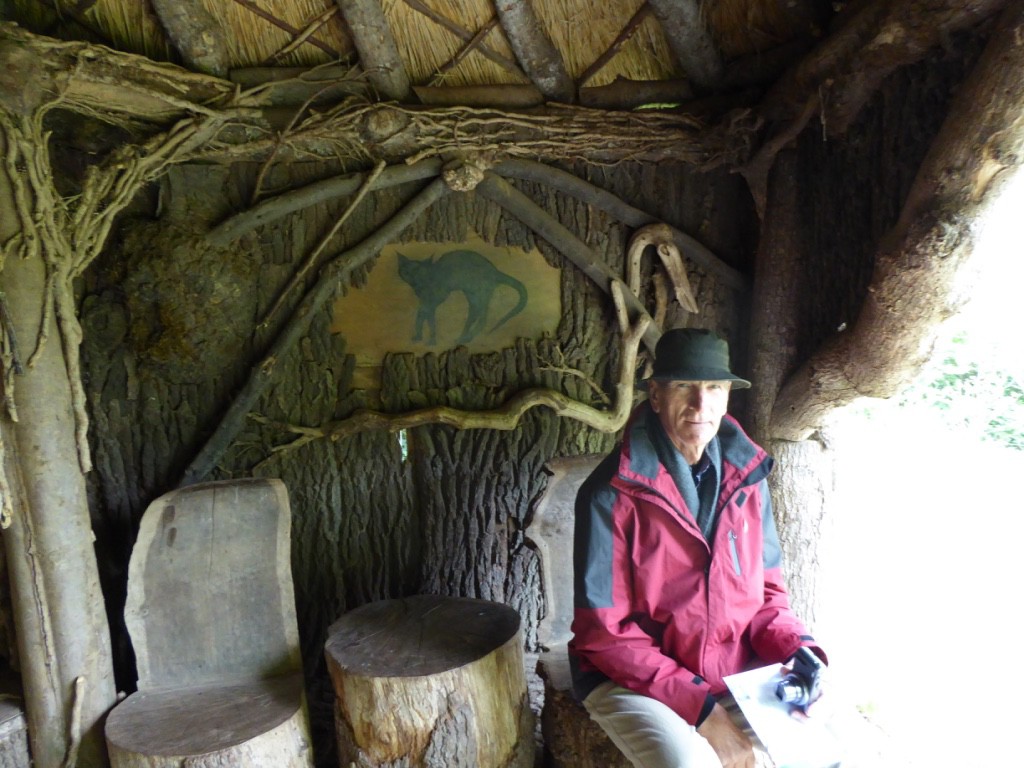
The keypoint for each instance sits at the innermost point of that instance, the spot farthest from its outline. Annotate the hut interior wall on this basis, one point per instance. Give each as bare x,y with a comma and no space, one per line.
853,188
171,332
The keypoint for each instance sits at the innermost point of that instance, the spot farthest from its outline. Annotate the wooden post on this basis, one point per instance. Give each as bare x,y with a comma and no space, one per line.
60,621
435,681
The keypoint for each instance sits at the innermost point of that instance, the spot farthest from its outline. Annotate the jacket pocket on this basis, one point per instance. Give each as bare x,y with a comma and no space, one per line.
735,554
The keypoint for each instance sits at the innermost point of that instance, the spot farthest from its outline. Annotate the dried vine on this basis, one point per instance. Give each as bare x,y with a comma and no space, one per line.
68,233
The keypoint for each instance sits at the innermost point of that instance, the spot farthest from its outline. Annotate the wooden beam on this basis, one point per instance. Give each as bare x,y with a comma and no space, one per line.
498,96
393,133
99,81
295,86
96,81
378,52
195,33
535,51
690,40
623,93
275,208
614,206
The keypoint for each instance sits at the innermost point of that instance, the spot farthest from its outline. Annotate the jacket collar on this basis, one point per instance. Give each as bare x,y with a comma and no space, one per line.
743,461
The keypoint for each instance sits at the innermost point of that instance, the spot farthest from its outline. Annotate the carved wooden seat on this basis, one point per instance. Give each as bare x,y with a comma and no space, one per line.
571,738
211,614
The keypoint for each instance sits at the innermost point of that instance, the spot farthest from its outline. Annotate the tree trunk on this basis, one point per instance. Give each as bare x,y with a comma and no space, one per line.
978,148
803,472
61,627
801,489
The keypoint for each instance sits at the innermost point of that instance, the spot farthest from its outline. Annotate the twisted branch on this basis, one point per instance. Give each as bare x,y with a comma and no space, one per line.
660,236
505,417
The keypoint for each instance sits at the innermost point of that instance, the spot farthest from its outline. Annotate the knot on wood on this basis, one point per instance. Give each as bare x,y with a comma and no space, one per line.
463,176
382,124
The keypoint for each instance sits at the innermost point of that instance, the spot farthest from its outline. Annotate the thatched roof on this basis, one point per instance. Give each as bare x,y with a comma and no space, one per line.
448,43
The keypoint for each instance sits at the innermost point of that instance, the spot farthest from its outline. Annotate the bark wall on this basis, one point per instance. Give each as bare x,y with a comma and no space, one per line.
170,335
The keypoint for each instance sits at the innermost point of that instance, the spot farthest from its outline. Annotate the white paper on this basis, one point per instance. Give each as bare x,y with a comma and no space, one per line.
790,741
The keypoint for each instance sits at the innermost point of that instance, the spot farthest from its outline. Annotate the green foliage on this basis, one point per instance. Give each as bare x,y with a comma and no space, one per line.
983,397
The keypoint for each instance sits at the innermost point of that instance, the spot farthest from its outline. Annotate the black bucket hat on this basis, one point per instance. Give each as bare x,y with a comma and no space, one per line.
693,354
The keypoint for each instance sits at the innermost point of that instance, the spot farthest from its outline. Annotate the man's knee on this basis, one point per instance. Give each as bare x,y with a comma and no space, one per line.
649,733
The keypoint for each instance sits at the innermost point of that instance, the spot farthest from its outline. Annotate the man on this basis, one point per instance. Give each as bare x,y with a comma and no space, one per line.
678,579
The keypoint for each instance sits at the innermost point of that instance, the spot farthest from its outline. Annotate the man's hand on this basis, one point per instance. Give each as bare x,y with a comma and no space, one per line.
815,706
729,742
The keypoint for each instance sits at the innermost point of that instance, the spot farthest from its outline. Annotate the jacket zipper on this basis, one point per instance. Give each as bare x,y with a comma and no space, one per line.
735,554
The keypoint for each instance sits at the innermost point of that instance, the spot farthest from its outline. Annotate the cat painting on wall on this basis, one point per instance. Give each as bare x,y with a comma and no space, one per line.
459,271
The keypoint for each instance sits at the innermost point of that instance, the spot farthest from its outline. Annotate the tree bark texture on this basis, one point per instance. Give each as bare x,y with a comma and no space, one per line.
60,622
778,270
801,487
170,336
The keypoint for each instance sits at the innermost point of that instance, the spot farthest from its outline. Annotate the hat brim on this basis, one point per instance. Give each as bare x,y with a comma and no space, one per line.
700,374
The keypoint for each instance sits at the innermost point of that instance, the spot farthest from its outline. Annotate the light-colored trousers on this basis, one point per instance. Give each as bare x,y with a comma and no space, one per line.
651,735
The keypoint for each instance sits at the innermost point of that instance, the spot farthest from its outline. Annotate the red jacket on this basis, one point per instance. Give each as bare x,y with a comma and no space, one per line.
658,610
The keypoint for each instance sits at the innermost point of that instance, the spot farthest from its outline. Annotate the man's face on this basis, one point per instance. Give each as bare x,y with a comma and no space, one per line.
690,412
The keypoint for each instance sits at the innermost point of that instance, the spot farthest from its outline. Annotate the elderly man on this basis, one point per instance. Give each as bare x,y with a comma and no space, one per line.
677,569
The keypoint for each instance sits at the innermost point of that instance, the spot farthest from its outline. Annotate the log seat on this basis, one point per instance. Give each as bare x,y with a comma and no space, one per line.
571,738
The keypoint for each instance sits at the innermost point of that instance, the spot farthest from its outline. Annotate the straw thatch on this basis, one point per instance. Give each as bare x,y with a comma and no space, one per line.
440,42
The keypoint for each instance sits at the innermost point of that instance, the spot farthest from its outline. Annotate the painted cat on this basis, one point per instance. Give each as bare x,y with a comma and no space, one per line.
466,271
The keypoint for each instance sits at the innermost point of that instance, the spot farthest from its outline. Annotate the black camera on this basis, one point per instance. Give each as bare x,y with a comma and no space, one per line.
802,685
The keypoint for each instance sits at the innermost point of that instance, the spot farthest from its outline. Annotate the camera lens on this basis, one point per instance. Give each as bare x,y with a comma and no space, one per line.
791,691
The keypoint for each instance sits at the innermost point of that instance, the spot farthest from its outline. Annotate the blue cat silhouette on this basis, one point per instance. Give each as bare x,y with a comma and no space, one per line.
466,271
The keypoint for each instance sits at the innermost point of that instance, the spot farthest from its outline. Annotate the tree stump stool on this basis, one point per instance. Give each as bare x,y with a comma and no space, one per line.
430,681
